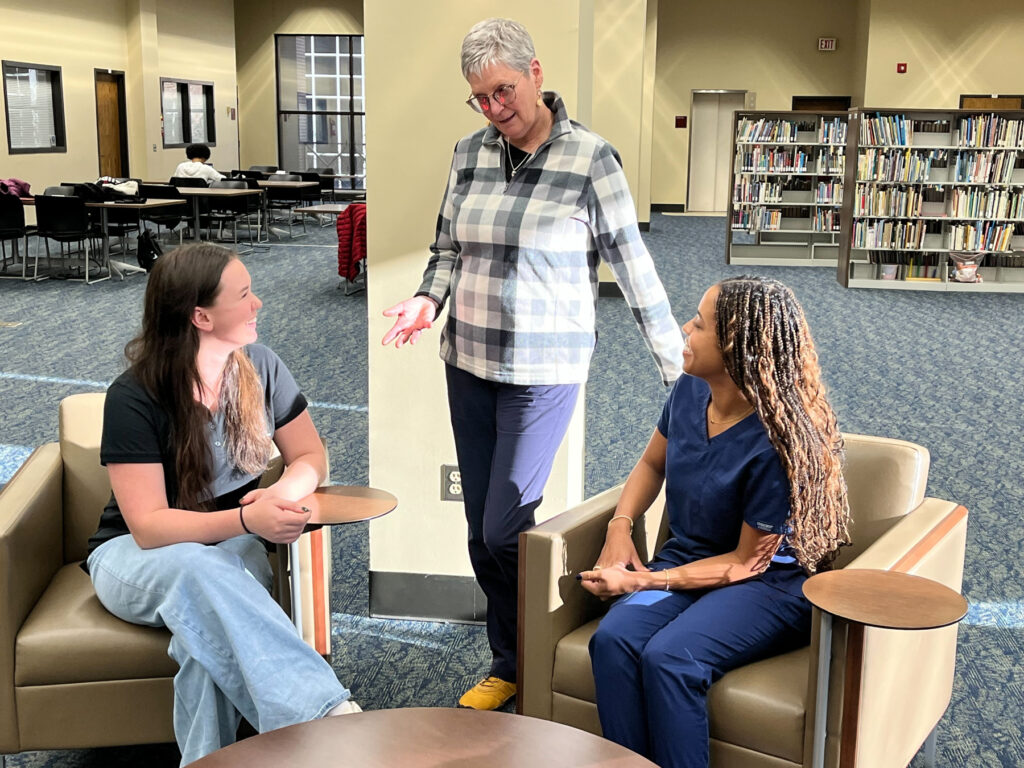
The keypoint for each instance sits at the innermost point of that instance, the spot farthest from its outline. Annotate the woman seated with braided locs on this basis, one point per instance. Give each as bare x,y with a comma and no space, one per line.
750,454
187,431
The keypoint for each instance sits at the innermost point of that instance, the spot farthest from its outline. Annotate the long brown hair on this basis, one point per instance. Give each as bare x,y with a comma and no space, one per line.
770,355
162,358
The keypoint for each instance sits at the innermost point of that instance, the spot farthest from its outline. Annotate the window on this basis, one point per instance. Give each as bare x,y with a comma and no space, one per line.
35,108
187,109
320,107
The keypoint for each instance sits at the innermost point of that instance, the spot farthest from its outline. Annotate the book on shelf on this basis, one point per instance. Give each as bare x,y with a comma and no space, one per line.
990,131
906,165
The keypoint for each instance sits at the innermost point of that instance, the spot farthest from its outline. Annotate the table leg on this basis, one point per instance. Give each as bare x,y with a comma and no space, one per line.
821,696
296,586
195,216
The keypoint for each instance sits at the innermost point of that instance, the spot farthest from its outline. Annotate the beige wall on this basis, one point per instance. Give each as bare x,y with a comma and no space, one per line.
256,23
145,39
76,36
413,50
746,45
950,49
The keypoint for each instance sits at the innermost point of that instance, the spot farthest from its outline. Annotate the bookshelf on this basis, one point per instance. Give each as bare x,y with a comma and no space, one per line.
787,188
927,185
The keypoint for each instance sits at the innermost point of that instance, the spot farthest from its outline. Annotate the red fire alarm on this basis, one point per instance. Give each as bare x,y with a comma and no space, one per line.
680,121
901,68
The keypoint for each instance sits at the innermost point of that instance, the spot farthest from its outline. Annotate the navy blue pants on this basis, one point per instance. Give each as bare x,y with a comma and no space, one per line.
506,437
656,654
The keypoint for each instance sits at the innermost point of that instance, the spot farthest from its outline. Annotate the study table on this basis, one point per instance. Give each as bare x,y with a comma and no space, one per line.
426,737
196,192
117,266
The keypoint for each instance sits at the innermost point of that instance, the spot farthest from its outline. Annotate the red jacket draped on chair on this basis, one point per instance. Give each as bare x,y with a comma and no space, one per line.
351,240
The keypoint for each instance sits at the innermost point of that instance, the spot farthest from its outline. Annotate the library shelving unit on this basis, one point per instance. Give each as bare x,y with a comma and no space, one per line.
787,188
927,187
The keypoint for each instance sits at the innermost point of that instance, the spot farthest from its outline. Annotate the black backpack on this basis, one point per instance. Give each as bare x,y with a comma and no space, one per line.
149,250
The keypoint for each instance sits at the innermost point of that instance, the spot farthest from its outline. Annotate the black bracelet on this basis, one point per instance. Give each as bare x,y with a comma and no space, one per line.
242,519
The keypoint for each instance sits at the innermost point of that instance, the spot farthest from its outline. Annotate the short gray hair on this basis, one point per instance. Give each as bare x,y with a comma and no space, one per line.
496,41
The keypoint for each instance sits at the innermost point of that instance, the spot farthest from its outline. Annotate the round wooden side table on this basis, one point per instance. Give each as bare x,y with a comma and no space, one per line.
869,598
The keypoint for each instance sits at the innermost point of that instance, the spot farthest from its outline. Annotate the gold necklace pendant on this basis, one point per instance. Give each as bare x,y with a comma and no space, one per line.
743,415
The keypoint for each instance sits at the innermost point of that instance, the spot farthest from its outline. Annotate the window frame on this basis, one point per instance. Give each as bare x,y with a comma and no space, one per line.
182,87
57,93
346,163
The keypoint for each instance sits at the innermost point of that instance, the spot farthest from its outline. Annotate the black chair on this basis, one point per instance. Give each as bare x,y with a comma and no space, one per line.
12,227
187,181
310,196
285,199
223,209
60,190
66,220
264,168
169,218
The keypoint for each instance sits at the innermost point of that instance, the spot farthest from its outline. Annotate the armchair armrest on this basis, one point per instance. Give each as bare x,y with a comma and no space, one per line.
551,601
31,552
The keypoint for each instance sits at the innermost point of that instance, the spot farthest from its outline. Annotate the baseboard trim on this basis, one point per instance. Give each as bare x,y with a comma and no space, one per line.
645,226
668,207
609,291
426,596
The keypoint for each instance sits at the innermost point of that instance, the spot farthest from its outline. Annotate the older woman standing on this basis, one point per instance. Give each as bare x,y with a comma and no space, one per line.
533,201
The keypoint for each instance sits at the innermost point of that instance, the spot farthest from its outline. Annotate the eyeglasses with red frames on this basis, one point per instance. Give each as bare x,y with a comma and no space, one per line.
503,95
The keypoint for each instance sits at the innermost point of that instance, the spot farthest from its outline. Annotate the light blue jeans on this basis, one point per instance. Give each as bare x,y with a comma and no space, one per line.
238,653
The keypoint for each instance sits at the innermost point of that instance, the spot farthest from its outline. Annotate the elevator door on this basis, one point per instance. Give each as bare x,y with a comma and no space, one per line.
711,150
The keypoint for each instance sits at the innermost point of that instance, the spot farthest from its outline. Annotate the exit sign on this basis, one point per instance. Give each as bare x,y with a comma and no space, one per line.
826,43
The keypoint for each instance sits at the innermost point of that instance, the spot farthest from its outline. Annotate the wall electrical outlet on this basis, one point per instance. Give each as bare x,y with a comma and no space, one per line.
451,483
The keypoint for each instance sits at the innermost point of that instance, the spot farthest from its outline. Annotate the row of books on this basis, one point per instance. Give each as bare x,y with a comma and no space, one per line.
757,219
773,160
832,131
753,190
826,220
888,234
981,236
984,167
766,129
898,165
1013,260
886,129
831,161
829,192
990,131
987,203
887,201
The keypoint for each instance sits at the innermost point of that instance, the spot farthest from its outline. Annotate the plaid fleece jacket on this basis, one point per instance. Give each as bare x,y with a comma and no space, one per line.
520,259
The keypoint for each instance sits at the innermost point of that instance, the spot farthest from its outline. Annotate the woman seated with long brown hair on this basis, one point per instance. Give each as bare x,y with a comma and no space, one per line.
187,432
750,455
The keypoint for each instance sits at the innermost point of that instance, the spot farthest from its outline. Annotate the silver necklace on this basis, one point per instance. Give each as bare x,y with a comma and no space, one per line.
515,168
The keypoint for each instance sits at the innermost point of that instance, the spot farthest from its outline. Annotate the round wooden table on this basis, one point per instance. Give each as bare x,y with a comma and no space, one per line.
872,598
332,505
426,738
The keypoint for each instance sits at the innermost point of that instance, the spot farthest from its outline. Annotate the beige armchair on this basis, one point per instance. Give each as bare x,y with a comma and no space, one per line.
762,715
71,674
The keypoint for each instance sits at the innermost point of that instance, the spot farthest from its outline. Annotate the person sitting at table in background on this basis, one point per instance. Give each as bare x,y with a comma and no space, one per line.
751,457
187,431
195,167
533,201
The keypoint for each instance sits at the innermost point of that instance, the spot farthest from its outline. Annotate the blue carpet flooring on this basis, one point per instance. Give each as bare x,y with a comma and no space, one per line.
941,370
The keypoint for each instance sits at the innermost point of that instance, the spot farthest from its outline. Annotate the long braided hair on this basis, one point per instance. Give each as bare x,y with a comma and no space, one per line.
769,354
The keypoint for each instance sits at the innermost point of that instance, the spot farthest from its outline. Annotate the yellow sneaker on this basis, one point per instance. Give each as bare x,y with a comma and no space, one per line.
489,693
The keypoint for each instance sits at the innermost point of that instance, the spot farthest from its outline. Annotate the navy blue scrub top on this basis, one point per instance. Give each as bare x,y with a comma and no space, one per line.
714,485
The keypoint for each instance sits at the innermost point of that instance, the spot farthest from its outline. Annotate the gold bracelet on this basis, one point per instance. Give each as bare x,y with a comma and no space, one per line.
622,517
667,587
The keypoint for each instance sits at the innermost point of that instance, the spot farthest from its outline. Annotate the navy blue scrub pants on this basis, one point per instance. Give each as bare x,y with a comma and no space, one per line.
506,437
656,654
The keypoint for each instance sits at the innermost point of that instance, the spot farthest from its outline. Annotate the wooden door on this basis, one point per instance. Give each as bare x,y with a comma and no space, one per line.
111,128
710,150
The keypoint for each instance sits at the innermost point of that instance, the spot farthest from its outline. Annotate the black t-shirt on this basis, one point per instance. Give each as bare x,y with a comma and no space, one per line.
137,430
